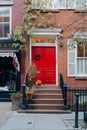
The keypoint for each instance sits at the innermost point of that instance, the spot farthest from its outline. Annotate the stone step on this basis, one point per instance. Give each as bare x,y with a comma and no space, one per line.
45,111
47,101
48,90
46,106
47,95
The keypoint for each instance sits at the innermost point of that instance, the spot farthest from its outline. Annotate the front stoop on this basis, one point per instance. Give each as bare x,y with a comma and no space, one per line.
46,100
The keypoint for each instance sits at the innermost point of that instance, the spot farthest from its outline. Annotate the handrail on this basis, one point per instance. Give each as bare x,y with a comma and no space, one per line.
23,94
63,87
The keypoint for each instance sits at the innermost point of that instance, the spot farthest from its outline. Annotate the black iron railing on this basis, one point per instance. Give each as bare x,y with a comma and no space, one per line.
69,95
63,87
71,92
23,94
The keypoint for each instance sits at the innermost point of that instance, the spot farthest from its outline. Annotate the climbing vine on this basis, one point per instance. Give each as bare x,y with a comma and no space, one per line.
34,16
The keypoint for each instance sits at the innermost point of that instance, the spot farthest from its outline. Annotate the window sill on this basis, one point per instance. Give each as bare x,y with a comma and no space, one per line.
48,10
81,78
80,11
6,3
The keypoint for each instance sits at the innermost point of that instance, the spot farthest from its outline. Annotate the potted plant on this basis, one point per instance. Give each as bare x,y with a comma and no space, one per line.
30,80
30,92
16,99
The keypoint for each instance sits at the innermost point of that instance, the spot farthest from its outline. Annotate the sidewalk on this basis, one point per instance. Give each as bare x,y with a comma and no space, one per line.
11,120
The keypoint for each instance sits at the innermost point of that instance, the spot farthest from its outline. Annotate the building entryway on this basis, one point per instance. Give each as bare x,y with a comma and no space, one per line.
44,58
9,72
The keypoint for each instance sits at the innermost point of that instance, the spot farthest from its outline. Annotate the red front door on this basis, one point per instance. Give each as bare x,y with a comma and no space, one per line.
45,60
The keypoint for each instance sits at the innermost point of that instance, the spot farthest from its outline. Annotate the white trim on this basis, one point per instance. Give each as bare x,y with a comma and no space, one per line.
80,35
56,41
11,21
6,2
43,44
46,33
30,51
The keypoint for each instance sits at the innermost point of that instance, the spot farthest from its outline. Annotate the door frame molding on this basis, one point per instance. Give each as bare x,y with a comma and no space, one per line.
55,33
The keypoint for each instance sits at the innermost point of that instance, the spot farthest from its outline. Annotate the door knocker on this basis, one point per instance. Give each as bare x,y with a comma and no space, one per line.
37,57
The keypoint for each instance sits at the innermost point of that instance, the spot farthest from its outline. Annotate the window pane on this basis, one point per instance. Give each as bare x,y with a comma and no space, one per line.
80,66
80,52
0,30
62,4
6,12
6,19
6,29
71,4
1,19
85,66
4,22
79,4
86,4
1,12
86,50
55,4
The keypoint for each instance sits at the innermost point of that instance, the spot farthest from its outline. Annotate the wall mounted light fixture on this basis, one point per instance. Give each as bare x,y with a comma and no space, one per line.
60,38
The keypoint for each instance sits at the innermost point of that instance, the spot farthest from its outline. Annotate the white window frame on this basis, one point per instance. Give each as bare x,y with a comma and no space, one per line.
46,5
66,4
55,5
83,68
75,74
10,20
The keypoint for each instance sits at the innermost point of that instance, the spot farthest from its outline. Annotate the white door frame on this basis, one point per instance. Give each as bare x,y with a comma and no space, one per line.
47,33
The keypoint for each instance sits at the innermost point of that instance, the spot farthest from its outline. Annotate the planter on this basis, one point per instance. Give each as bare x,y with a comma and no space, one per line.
29,95
16,99
16,103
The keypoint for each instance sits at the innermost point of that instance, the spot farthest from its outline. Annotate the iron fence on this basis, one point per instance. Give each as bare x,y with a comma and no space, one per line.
71,92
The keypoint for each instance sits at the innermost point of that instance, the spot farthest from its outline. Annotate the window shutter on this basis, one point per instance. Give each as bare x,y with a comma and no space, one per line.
72,49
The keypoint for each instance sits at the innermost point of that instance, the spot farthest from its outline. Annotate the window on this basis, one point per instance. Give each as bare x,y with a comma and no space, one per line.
59,4
4,22
81,4
44,4
82,59
77,59
71,4
53,4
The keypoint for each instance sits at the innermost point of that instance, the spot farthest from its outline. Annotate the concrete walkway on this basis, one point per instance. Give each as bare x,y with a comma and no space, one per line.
12,120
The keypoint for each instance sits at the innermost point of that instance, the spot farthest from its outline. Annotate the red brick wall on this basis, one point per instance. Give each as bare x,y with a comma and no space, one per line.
17,19
17,13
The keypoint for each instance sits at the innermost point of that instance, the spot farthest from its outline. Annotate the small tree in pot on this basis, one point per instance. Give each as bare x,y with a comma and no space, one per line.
30,80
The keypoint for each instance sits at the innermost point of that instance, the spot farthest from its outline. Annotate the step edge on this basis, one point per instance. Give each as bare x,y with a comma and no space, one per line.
46,104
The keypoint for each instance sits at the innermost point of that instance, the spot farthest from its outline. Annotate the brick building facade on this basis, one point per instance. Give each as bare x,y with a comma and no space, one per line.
68,15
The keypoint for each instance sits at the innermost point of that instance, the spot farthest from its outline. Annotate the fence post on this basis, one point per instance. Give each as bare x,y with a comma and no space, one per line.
65,96
23,97
76,109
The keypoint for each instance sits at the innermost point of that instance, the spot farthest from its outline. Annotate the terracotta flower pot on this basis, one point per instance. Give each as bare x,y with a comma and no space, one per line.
29,95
